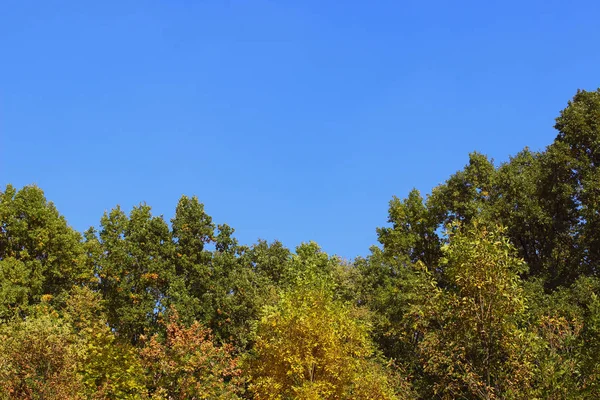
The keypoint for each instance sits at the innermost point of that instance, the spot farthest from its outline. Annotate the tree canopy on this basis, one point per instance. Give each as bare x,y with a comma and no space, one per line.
485,288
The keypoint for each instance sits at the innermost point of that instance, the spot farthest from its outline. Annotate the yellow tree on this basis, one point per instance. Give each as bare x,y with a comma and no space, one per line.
310,346
109,368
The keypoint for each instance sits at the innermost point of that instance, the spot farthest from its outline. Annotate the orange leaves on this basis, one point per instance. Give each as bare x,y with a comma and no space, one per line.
38,360
188,364
558,330
150,276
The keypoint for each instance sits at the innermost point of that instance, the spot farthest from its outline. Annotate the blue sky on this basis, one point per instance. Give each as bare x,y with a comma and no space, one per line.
289,120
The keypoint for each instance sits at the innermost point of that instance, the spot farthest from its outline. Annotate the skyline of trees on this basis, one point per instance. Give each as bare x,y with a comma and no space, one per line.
485,288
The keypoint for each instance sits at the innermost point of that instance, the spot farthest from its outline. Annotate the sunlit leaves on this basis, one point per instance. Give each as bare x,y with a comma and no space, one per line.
188,364
39,253
472,345
309,346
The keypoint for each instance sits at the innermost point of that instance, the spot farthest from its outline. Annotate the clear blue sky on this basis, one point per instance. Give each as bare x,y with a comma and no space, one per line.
290,120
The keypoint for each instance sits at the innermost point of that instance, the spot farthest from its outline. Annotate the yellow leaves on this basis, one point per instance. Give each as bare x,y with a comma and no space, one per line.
111,369
309,346
46,298
135,298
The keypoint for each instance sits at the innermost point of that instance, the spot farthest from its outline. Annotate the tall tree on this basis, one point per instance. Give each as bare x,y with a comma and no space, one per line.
39,253
472,345
579,140
218,282
134,267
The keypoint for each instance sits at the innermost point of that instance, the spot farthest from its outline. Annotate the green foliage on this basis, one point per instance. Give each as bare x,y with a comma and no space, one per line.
576,336
224,289
472,345
270,260
133,261
503,304
39,253
558,330
466,194
311,266
192,230
389,290
579,140
412,236
18,284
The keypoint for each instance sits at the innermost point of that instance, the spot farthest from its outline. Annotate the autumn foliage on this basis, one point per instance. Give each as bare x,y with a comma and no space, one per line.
486,288
187,364
311,347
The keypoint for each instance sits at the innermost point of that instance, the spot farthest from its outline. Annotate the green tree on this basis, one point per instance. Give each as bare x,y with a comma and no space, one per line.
390,289
39,253
413,235
270,260
557,321
217,282
579,141
133,262
466,194
471,343
568,323
390,281
192,231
